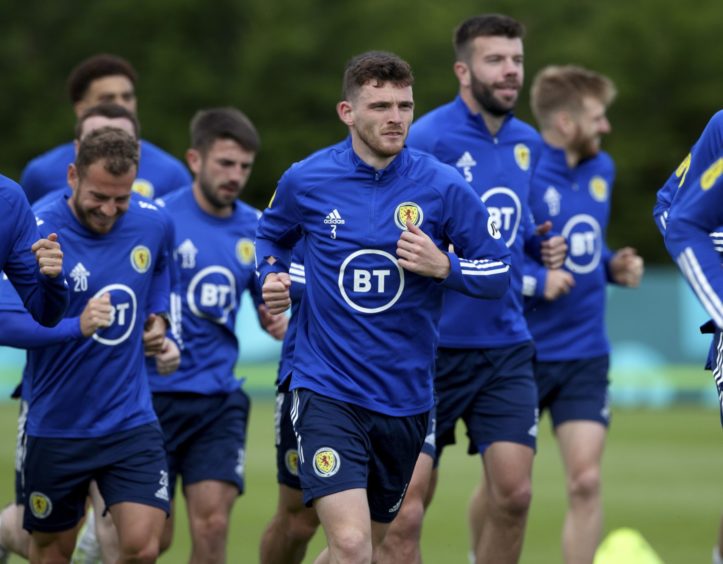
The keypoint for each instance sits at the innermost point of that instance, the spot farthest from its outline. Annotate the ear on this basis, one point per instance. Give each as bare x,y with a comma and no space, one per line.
73,177
461,71
194,160
345,111
79,107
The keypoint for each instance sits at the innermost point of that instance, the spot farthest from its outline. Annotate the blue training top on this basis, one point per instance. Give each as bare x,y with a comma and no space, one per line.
367,328
498,167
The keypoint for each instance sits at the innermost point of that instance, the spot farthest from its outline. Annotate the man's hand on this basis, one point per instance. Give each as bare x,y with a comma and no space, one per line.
275,292
552,250
274,325
417,253
49,256
96,315
169,358
558,283
154,334
626,267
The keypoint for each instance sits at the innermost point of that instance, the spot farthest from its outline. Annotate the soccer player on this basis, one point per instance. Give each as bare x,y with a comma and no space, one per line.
571,187
100,79
484,371
704,153
34,265
374,217
111,434
203,410
293,525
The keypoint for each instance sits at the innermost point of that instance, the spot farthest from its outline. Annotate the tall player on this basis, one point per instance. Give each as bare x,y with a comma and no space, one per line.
34,265
111,434
572,186
484,369
203,410
704,153
375,217
100,79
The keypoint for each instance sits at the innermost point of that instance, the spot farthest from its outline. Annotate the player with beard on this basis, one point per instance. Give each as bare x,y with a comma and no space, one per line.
572,187
484,372
377,219
203,410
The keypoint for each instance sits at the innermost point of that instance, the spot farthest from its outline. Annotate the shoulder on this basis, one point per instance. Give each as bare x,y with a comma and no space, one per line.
604,163
428,170
318,166
246,212
11,192
173,199
153,153
524,132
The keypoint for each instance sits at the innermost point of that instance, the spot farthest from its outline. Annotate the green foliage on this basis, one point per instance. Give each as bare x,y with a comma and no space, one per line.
281,63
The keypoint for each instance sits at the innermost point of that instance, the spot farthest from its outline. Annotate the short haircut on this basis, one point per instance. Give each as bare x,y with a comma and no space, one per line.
110,111
95,67
484,25
211,124
556,88
378,67
115,147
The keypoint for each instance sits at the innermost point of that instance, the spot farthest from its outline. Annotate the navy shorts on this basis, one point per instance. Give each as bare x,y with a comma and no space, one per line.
575,389
492,390
129,466
205,436
287,453
20,446
344,446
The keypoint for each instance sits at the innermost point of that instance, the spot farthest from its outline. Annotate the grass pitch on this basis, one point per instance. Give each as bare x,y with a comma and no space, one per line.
661,476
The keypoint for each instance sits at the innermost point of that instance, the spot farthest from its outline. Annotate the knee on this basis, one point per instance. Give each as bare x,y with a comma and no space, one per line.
141,553
351,545
213,526
585,484
407,525
514,499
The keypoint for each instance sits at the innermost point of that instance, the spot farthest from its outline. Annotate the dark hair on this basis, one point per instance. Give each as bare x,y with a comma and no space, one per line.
114,146
223,123
484,25
107,110
556,88
378,67
95,67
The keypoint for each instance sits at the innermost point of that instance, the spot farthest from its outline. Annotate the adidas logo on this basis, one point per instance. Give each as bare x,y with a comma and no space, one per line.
532,431
162,493
334,218
466,160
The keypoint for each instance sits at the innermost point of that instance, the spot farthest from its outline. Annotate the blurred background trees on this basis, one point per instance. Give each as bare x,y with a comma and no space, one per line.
280,61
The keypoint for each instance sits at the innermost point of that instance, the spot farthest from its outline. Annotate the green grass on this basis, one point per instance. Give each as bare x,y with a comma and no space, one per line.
661,476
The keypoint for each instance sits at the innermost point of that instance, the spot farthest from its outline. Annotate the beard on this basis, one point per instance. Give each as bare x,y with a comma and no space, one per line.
213,195
375,143
585,146
484,94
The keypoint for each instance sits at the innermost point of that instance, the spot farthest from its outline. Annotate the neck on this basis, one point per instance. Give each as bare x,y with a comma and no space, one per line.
207,206
492,122
557,140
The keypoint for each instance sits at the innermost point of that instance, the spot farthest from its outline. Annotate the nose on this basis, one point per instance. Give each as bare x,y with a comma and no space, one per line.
605,126
109,209
395,115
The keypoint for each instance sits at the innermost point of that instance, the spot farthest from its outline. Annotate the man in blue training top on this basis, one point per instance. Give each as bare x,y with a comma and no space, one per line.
34,265
375,217
202,409
572,187
90,414
484,369
100,79
704,154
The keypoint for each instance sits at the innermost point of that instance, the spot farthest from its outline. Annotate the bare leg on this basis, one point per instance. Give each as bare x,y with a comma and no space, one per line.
209,511
13,538
581,445
139,531
507,475
287,535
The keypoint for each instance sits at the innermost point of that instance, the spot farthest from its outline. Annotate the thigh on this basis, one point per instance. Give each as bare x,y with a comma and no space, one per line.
506,407
581,445
333,442
582,391
56,477
217,451
396,446
136,470
209,497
